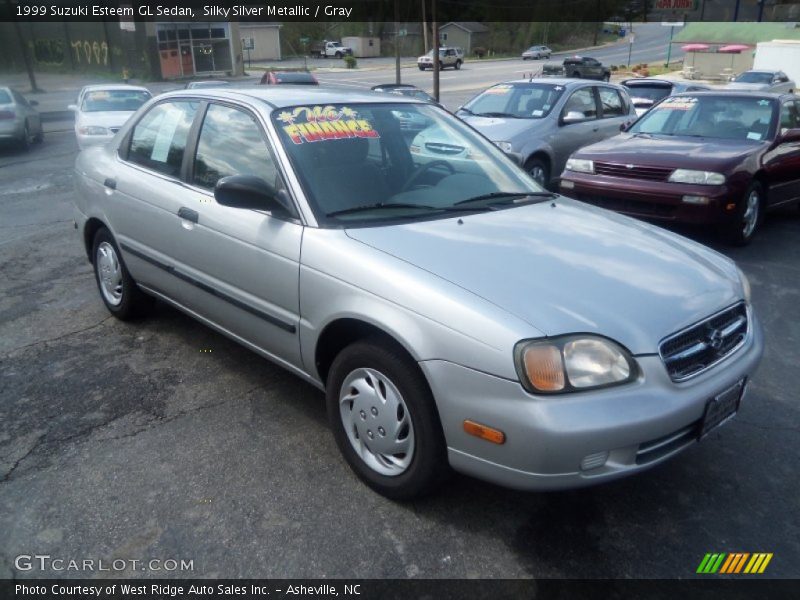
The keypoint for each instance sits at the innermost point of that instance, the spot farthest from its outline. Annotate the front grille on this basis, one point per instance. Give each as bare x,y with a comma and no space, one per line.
448,149
630,171
636,207
701,346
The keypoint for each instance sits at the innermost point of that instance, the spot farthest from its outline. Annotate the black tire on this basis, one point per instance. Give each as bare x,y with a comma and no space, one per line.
421,68
134,302
542,170
576,75
458,65
39,136
736,232
338,55
524,58
606,77
428,466
25,140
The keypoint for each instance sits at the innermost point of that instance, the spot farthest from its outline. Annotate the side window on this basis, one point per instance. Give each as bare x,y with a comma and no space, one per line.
582,101
231,143
789,119
159,138
611,102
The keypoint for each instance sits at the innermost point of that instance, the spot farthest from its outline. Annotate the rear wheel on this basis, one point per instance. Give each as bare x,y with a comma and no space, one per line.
119,291
338,55
606,77
384,420
26,139
749,215
458,65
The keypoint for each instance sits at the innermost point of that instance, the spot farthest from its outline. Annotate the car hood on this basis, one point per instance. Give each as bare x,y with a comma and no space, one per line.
115,118
747,86
565,267
670,152
500,129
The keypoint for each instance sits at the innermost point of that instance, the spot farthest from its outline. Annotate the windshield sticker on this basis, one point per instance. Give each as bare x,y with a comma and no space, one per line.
166,131
98,96
324,123
499,89
537,113
679,103
763,102
753,135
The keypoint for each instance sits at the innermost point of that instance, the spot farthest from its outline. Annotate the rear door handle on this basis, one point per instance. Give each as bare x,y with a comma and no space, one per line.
110,183
188,214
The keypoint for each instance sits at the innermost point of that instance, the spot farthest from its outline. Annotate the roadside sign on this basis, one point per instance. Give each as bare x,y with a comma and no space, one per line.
672,23
304,40
402,32
630,39
248,43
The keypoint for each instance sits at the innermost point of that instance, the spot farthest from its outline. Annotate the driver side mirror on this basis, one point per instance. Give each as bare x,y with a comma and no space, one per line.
573,116
72,107
249,191
789,136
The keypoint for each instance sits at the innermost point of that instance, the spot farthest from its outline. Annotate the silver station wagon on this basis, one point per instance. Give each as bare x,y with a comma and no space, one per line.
453,311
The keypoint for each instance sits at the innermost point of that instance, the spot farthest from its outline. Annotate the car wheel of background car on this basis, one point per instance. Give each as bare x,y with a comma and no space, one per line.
606,77
458,65
421,68
25,140
576,75
749,216
384,420
39,137
539,170
119,291
338,55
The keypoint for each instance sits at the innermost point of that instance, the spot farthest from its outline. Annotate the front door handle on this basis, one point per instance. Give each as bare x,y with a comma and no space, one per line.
110,183
188,214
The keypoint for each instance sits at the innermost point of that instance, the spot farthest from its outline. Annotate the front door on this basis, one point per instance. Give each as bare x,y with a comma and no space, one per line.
782,162
574,135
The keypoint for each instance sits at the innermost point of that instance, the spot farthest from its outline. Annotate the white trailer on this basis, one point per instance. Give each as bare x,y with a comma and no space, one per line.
779,55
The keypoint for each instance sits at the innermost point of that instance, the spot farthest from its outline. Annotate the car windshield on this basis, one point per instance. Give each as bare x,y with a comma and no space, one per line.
518,100
208,84
412,93
754,77
648,93
5,97
713,116
362,164
295,78
114,100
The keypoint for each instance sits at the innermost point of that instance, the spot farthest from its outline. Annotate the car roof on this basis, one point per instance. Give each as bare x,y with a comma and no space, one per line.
114,86
288,95
742,93
566,82
394,86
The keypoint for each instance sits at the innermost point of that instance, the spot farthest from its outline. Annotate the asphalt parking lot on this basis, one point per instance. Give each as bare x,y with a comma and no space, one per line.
162,439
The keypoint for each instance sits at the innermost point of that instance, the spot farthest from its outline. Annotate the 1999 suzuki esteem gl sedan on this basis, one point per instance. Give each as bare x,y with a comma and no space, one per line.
454,312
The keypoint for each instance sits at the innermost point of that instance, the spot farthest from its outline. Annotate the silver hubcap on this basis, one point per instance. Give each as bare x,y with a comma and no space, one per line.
538,174
110,273
750,214
376,420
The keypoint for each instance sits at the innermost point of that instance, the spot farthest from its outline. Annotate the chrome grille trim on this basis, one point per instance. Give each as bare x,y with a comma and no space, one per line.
701,346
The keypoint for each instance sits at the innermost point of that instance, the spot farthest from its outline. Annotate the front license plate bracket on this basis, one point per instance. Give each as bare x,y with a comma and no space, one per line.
721,408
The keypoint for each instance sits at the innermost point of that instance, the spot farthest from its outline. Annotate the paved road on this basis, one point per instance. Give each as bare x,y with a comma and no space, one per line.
161,439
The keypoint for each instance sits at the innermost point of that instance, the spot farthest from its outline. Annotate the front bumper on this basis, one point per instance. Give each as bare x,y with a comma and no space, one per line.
11,129
85,141
658,200
549,438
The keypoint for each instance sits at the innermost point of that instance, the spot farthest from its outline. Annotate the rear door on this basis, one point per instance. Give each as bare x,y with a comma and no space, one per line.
243,264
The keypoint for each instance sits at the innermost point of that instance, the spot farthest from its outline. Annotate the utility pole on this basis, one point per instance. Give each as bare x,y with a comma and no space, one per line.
435,51
23,47
396,42
424,28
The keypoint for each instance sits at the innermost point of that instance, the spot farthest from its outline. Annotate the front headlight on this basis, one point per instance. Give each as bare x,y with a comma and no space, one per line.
504,146
745,285
697,177
93,130
572,363
580,165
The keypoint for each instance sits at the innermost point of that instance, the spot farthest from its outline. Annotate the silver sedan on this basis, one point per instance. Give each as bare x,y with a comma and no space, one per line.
454,312
20,122
762,81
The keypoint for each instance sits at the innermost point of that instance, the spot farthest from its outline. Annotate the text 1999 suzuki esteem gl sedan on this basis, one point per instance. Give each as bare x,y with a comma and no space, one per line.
453,311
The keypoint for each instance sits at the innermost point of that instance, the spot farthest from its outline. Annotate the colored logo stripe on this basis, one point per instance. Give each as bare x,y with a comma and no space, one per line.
733,563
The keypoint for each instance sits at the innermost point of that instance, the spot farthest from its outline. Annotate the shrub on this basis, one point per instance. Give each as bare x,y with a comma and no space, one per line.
480,52
350,61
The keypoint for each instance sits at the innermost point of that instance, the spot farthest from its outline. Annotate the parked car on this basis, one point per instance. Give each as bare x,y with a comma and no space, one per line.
586,67
406,89
102,110
448,57
646,91
546,120
536,52
463,317
288,77
197,85
20,122
327,49
714,158
762,81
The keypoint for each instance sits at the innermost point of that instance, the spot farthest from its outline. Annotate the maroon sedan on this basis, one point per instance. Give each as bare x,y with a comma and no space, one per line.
714,158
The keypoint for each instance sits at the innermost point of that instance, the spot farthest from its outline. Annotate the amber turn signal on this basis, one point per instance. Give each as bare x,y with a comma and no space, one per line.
485,433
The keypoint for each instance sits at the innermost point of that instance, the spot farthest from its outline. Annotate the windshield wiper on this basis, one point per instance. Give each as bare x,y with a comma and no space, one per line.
540,196
496,114
391,205
466,110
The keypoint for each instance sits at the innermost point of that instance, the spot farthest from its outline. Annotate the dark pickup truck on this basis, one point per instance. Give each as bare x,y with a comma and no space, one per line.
578,67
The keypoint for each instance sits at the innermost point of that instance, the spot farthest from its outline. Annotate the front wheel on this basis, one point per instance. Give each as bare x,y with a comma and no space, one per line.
338,55
384,420
119,291
606,77
576,75
421,68
749,215
539,171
